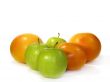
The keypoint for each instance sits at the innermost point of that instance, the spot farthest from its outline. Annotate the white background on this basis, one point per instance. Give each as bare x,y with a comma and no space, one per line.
46,18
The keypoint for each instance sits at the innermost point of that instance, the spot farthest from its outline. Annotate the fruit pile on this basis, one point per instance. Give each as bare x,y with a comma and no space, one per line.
57,55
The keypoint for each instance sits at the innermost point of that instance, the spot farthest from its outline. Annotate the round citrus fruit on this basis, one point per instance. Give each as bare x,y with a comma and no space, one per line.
20,43
89,42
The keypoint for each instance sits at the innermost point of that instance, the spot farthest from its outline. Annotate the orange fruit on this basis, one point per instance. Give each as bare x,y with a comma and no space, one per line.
20,43
75,54
89,42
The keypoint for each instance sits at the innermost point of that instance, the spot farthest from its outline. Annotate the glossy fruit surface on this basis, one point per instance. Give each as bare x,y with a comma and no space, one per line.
55,41
52,63
90,43
32,53
20,43
75,54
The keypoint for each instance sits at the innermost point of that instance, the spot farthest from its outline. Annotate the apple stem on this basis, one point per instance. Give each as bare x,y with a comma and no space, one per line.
58,35
55,44
38,41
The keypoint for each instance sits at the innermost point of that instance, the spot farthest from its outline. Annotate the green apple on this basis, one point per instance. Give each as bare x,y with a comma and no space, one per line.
52,63
55,41
31,54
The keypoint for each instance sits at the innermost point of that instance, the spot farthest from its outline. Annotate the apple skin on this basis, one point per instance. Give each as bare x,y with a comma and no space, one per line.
52,63
54,42
31,55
